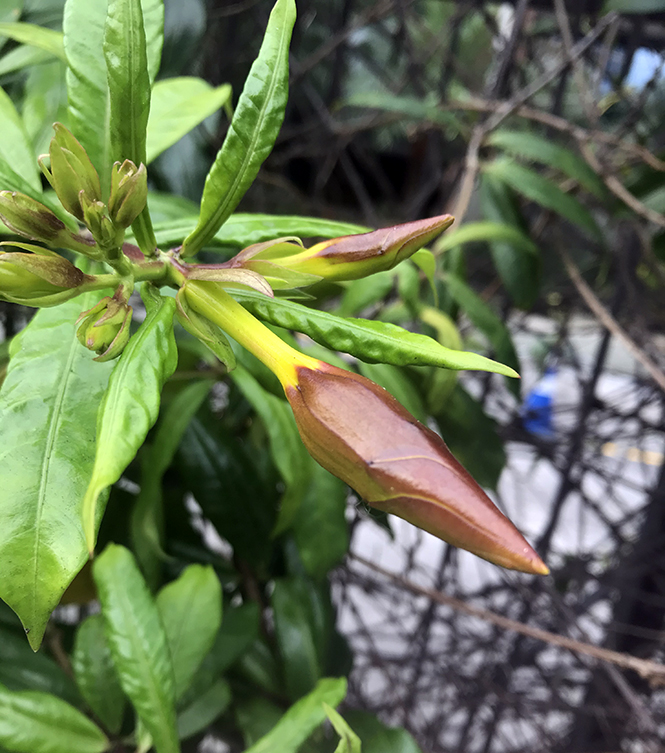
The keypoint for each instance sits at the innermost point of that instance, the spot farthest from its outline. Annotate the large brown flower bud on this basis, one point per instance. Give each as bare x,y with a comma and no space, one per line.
360,433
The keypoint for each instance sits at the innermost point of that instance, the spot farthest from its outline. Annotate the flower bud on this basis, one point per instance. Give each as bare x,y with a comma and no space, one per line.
72,172
38,280
360,433
97,220
352,256
129,192
105,328
27,217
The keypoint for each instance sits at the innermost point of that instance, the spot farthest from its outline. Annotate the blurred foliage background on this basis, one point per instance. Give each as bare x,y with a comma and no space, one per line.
539,124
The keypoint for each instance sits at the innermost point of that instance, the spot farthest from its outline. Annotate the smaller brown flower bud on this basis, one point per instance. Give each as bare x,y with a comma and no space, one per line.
41,281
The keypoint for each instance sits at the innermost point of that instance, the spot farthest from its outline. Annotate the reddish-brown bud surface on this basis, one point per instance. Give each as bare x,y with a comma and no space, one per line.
360,433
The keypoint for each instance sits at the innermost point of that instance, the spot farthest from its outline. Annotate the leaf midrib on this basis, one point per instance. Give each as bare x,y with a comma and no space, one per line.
54,425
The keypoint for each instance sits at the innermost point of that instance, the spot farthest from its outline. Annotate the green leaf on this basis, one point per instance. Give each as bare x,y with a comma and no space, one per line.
48,409
545,192
240,628
222,475
412,108
10,10
290,456
129,88
486,231
138,644
204,710
349,742
295,634
253,130
177,106
129,82
45,103
36,36
21,57
536,148
302,718
376,737
634,6
371,341
131,403
242,230
15,148
487,322
33,722
87,81
320,529
191,612
147,515
23,669
472,437
153,24
360,294
518,266
256,716
95,674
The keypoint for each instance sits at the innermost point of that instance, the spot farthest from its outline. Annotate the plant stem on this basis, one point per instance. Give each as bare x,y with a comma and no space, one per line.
211,300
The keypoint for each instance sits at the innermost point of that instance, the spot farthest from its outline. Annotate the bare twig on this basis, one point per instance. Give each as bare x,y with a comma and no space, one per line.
649,670
610,323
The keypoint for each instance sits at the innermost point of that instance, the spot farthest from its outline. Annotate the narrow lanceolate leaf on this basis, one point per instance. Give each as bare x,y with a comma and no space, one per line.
36,36
371,341
147,515
302,718
32,722
191,612
15,148
253,130
295,635
178,105
87,83
288,452
23,56
138,644
486,320
95,673
48,410
536,148
204,709
517,264
241,230
129,81
131,403
153,24
485,231
543,191
129,87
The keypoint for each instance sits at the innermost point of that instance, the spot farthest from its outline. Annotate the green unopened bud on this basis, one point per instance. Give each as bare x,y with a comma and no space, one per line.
353,256
129,192
105,328
96,218
38,280
72,172
27,217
